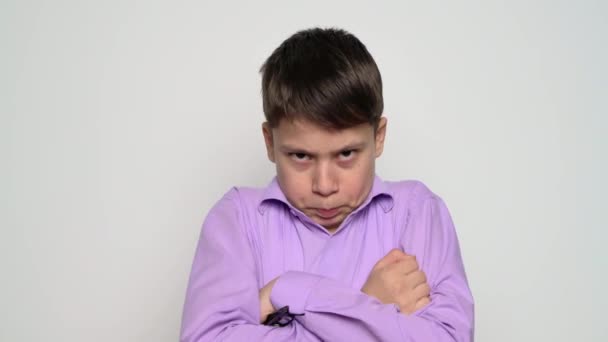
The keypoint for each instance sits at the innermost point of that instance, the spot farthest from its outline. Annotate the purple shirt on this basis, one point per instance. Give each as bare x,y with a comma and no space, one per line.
252,236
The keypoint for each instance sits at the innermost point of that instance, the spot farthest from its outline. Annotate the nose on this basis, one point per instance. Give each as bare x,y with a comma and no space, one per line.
324,181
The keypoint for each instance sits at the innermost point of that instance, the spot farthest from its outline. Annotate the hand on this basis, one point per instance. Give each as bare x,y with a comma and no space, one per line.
266,307
397,279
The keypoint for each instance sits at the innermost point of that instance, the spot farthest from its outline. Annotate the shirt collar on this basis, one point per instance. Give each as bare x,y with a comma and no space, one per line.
379,192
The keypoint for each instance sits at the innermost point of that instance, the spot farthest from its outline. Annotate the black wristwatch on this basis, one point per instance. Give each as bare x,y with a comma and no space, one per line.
281,317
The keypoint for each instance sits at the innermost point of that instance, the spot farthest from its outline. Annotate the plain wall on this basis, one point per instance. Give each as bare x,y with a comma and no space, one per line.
122,122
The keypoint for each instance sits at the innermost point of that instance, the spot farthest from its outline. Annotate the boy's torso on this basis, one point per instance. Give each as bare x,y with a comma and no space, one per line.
284,239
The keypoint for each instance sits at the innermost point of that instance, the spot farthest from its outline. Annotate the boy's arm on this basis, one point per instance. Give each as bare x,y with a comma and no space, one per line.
222,299
337,312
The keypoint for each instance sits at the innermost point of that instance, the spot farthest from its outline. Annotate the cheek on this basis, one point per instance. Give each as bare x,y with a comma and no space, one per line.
294,184
358,180
357,183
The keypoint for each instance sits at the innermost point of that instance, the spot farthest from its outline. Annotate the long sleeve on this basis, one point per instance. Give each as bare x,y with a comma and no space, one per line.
452,305
222,302
336,312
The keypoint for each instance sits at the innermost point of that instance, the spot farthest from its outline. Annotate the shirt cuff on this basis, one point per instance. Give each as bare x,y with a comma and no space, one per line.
293,288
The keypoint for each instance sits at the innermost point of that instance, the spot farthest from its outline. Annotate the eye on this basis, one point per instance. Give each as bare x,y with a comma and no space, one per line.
299,156
347,154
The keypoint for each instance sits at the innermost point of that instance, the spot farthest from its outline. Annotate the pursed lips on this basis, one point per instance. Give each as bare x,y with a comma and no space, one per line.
327,213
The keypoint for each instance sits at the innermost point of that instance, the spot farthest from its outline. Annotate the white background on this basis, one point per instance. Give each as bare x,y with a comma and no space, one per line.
122,122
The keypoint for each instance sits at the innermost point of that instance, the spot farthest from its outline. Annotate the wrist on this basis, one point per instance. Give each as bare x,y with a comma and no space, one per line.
266,307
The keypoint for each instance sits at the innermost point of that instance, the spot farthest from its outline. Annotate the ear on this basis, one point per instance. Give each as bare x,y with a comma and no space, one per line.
380,135
267,132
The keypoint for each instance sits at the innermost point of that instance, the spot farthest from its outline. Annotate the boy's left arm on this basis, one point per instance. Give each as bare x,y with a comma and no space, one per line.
335,311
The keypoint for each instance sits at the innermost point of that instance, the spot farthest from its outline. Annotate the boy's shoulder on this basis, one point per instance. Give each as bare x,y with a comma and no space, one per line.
409,192
249,198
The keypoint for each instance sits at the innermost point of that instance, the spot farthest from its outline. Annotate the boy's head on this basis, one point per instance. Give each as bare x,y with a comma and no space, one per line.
322,95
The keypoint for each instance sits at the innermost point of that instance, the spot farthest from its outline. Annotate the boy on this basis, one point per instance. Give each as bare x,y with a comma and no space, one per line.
328,251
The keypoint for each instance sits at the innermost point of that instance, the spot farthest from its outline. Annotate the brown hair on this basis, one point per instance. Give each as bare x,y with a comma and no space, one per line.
326,76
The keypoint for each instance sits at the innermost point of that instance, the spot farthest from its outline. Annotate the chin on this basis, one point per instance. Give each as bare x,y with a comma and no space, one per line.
333,224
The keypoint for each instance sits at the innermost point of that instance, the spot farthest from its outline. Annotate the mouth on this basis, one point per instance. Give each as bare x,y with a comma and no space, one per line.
327,213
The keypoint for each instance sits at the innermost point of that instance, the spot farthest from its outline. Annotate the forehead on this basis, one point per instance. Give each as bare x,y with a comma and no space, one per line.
304,133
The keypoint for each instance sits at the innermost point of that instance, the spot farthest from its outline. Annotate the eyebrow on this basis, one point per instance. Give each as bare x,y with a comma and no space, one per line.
294,149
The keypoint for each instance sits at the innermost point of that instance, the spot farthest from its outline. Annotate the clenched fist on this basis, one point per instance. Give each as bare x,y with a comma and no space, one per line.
397,279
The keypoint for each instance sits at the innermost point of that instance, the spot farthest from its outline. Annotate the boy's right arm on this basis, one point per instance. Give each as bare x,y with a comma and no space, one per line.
222,299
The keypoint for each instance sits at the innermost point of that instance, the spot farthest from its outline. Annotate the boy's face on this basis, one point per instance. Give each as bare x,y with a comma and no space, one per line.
326,174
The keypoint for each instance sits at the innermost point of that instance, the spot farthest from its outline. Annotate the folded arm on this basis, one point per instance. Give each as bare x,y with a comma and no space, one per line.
222,301
335,311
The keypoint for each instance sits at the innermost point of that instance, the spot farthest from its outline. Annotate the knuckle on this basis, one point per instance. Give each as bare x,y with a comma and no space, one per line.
395,252
410,266
422,303
426,289
414,276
